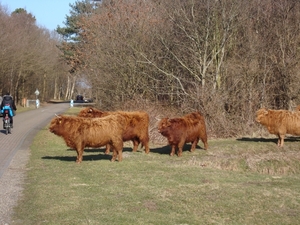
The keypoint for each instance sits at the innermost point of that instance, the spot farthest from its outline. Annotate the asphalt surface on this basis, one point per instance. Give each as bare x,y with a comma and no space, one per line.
15,152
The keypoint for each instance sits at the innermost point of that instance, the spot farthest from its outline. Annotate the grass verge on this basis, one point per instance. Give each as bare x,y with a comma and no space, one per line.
236,181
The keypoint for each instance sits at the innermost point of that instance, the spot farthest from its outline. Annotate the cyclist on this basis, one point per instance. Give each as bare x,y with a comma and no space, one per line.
8,103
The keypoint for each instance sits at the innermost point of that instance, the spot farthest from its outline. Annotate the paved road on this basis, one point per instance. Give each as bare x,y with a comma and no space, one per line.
14,153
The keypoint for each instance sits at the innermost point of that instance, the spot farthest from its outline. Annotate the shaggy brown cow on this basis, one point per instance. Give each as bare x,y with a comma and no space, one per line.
181,130
279,122
79,132
136,128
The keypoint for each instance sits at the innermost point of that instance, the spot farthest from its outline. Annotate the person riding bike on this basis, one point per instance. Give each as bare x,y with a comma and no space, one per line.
8,103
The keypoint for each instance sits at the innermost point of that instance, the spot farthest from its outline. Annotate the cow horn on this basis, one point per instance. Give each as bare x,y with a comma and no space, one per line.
157,118
57,115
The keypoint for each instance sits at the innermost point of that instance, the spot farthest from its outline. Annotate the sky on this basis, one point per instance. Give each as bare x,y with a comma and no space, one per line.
48,14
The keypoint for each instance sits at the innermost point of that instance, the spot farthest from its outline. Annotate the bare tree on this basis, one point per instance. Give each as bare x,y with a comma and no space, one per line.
29,56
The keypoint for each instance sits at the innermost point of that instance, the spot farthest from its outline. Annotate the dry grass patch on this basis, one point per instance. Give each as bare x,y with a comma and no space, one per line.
253,154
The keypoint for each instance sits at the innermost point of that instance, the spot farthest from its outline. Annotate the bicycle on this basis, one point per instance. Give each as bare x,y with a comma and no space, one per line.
6,121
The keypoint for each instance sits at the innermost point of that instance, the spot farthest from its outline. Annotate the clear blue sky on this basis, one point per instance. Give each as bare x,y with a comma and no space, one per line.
48,14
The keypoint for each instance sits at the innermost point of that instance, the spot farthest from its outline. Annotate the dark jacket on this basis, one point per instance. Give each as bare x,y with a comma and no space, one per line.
8,99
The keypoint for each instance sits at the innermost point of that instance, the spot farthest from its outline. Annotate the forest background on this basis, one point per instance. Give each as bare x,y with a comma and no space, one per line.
226,59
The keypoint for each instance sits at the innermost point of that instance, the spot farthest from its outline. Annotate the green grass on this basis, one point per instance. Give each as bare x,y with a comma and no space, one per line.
236,181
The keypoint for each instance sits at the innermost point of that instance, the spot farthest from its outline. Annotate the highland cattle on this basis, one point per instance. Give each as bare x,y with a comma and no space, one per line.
79,132
181,130
279,122
136,125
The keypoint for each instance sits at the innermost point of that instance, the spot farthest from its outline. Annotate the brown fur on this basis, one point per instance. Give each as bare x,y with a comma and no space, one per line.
79,132
181,130
279,122
136,128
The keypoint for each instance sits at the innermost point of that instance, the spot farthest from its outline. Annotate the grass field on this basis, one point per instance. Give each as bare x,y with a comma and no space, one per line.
236,181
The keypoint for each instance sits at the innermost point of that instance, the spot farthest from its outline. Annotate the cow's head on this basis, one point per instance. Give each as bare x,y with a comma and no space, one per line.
56,124
86,112
163,124
90,112
261,114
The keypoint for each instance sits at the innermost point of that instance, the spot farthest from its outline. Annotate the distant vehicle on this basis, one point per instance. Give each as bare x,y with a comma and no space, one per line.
87,100
81,99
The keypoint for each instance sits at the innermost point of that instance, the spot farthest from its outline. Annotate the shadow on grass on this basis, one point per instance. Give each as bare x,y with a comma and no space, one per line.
73,158
85,156
274,140
125,149
166,150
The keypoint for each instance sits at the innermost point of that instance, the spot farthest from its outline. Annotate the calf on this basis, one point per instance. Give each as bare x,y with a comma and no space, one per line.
181,130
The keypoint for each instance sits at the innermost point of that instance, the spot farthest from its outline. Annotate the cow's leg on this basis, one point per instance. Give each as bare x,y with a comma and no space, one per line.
77,159
145,143
107,149
204,140
79,154
120,156
117,146
280,140
194,143
136,143
147,149
172,150
114,155
179,152
180,147
117,150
